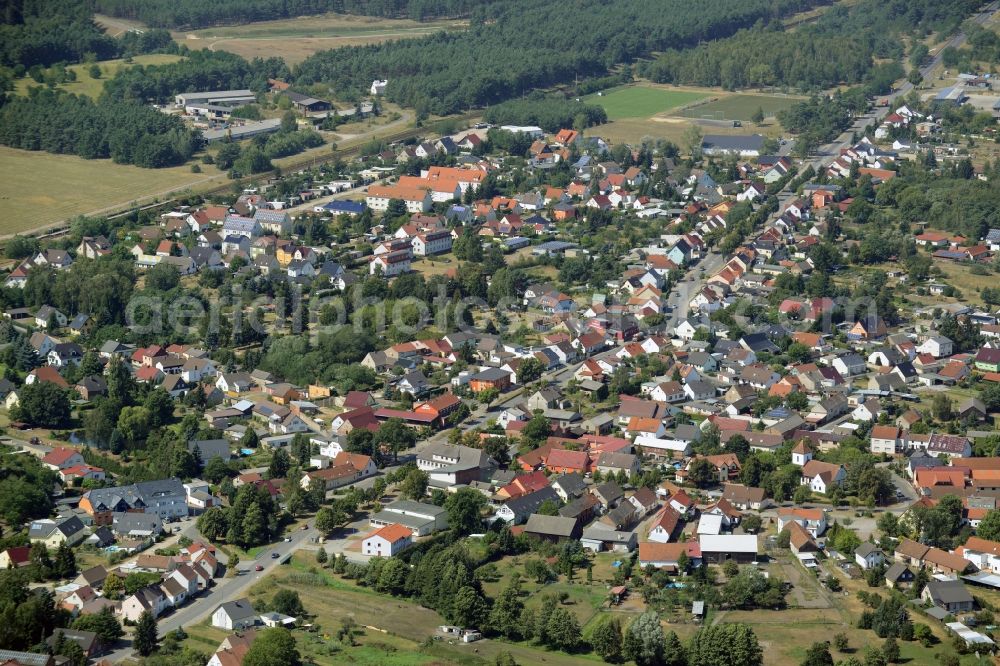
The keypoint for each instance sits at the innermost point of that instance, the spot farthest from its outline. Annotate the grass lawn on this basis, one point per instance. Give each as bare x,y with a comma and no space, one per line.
674,129
40,188
438,265
739,107
85,85
642,101
297,38
961,277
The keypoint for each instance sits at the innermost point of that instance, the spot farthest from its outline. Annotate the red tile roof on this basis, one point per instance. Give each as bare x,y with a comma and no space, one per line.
391,533
47,373
564,459
59,455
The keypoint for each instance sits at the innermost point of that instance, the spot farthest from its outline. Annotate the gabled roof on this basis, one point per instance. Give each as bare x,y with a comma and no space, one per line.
59,455
912,549
651,551
239,609
391,533
550,525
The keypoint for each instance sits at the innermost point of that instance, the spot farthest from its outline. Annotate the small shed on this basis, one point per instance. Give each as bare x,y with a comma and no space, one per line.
618,594
698,610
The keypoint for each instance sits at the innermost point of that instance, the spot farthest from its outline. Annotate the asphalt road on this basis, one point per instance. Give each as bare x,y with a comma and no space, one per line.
693,281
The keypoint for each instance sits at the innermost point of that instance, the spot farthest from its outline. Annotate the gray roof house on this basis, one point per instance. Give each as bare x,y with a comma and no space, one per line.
518,509
568,486
950,595
53,532
599,538
552,528
25,658
136,524
165,497
746,145
234,615
210,448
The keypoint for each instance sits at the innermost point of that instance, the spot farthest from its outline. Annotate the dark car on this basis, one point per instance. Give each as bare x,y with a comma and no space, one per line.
274,556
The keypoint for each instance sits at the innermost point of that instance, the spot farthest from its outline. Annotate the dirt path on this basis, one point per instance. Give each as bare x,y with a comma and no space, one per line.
116,26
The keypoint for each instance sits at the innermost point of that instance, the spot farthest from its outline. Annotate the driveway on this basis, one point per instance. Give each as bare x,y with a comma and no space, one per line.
806,592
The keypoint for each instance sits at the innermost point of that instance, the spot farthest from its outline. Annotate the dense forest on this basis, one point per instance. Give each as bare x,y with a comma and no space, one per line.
839,48
128,133
44,32
197,13
516,46
200,70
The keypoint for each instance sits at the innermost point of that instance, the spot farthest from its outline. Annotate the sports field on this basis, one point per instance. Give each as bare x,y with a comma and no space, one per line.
38,189
297,38
642,101
86,85
740,106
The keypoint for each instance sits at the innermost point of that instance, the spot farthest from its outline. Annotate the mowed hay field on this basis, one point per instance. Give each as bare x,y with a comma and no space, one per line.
296,39
85,85
38,189
642,101
740,107
647,110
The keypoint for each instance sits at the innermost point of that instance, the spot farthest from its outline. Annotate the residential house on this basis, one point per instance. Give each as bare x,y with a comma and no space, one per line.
53,533
557,529
667,555
868,556
664,525
387,541
234,615
821,476
950,595
813,520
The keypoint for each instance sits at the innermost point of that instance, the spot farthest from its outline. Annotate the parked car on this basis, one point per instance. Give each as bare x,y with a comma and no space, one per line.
259,567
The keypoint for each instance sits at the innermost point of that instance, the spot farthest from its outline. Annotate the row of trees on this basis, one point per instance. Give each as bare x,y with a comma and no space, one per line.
549,113
511,49
443,577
